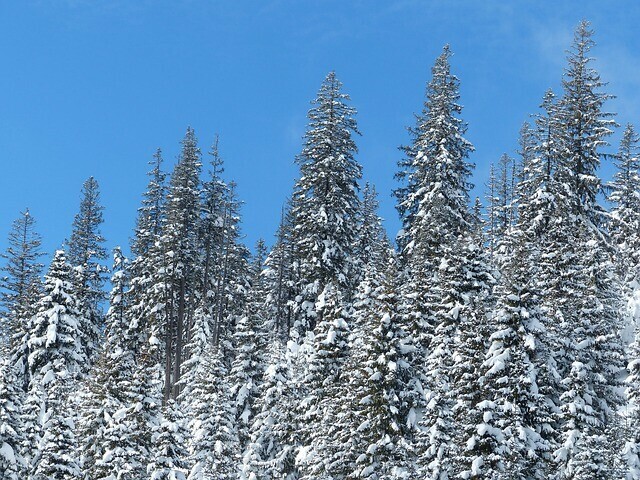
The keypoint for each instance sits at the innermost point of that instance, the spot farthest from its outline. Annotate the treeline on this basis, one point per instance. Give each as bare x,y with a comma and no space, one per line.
487,345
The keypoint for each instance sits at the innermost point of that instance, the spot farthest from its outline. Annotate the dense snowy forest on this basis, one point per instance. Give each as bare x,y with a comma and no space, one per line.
490,340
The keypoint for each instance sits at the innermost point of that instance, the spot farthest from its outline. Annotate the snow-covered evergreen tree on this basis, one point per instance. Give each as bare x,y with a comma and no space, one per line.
85,254
19,285
168,462
433,203
271,450
55,333
435,171
624,193
325,202
582,297
213,448
178,250
631,451
376,379
320,453
56,358
247,368
12,465
280,277
151,212
587,124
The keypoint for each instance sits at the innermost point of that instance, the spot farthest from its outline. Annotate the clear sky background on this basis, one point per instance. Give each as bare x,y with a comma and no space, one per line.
93,87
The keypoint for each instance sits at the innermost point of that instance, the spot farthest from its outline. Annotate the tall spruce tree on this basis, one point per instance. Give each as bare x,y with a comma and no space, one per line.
178,247
376,379
55,334
86,254
12,465
624,193
281,278
631,451
325,202
168,462
56,359
328,350
213,446
587,302
271,449
151,212
19,285
433,204
435,170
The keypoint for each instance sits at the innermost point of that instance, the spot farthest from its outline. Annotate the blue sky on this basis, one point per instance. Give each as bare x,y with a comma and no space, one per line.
94,87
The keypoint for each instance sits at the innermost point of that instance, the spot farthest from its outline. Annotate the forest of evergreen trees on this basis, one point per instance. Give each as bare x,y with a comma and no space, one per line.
485,342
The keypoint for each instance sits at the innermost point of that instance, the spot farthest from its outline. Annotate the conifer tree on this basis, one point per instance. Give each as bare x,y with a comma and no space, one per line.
12,465
624,193
271,451
432,195
151,212
280,277
20,284
247,368
376,380
328,354
54,339
325,201
169,454
587,302
587,124
85,254
145,312
213,446
631,452
147,307
178,246
56,358
433,204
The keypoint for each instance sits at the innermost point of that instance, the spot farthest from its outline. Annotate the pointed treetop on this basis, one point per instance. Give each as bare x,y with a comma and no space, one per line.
216,160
